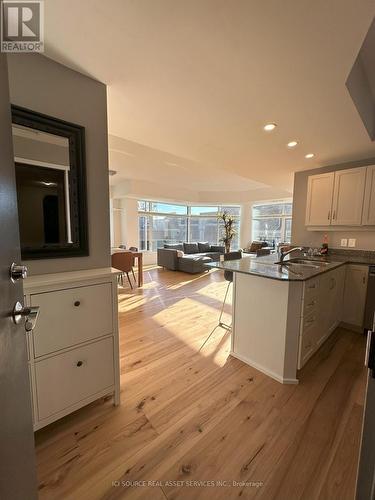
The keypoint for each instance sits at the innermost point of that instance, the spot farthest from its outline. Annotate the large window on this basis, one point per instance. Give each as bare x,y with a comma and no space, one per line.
272,222
161,223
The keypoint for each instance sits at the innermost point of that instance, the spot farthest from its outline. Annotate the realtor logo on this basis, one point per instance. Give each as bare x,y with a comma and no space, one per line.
22,26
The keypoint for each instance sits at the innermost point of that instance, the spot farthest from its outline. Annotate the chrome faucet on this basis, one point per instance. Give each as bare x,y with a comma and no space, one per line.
284,254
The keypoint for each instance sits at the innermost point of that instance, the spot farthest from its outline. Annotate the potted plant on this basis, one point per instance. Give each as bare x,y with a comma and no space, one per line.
228,231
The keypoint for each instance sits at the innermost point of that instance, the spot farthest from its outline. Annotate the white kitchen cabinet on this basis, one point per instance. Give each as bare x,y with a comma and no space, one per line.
331,291
368,216
355,295
319,199
338,198
321,311
74,346
348,196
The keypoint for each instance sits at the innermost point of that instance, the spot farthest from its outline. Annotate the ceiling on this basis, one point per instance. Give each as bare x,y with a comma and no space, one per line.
198,79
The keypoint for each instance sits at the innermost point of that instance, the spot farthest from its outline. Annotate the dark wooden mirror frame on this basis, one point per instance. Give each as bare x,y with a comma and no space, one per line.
77,183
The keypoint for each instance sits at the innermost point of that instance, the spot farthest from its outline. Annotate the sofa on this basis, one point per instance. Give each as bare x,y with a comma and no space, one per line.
188,257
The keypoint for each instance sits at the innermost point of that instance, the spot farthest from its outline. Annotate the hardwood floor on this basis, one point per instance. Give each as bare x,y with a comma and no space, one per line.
191,413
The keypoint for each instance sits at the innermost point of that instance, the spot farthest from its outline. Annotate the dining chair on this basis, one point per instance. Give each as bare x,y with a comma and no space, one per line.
124,262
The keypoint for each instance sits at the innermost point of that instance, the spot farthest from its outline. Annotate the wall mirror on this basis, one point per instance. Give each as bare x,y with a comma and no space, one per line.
49,156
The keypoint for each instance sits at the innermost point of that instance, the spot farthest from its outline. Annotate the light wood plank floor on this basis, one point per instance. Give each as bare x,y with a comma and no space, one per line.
190,413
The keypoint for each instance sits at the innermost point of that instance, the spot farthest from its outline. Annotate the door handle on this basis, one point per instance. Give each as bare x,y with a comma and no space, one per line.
29,313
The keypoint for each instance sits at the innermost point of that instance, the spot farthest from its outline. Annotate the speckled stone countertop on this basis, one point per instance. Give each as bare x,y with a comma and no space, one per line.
268,267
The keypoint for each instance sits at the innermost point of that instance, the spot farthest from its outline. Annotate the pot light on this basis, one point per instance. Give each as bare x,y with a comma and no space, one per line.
269,126
309,155
292,144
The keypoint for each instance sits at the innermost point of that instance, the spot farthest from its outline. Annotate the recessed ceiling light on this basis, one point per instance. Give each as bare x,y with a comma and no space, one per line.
309,155
292,144
269,126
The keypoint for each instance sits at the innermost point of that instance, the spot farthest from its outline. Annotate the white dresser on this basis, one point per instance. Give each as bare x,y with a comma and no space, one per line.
73,351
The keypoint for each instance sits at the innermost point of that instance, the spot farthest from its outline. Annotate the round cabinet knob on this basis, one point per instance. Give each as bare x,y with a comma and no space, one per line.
18,272
77,303
79,363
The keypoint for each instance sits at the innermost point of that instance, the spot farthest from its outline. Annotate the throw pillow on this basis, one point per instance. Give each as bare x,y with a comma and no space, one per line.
176,246
191,248
204,247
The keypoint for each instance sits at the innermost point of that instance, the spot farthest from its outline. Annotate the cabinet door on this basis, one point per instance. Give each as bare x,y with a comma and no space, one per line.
355,294
368,217
339,295
327,299
319,199
348,197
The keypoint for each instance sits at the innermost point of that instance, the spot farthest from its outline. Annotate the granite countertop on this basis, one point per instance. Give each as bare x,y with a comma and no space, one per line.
267,266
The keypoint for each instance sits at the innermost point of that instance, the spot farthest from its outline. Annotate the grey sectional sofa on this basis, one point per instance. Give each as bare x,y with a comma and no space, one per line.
188,257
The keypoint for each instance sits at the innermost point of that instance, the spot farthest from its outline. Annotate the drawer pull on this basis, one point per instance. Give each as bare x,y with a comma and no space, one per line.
77,303
79,363
312,286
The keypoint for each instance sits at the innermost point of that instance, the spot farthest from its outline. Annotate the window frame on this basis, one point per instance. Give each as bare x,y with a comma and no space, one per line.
284,216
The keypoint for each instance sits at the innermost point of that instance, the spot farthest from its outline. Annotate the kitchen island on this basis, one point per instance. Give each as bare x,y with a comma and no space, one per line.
283,313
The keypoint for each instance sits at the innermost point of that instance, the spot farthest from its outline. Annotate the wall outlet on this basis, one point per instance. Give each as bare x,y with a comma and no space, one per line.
344,242
352,242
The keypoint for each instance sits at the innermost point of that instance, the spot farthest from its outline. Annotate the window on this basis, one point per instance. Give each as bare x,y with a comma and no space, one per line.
272,222
160,223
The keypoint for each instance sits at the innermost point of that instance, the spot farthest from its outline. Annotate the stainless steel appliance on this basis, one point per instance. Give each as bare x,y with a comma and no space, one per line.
370,300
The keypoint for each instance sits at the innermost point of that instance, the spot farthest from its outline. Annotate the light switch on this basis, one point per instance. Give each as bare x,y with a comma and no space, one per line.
352,242
344,242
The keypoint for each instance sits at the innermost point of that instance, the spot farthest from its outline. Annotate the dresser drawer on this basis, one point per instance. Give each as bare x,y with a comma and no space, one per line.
71,316
68,378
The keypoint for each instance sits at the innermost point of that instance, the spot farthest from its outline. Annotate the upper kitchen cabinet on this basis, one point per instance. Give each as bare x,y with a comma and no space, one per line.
337,198
348,197
368,217
319,199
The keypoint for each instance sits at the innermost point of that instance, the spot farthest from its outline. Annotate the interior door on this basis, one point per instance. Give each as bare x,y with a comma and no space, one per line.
366,470
17,460
319,199
348,197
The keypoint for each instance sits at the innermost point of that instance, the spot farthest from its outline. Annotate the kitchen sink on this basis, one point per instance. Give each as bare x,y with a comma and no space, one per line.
300,264
313,262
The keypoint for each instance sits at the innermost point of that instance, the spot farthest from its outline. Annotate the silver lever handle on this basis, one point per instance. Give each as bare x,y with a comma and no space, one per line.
29,313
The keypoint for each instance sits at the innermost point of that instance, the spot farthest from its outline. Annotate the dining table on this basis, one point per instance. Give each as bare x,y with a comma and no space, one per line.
137,255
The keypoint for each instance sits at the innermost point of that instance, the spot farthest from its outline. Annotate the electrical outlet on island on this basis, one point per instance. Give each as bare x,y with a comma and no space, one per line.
352,242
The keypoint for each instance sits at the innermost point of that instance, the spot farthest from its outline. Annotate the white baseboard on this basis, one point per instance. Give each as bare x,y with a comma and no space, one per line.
264,370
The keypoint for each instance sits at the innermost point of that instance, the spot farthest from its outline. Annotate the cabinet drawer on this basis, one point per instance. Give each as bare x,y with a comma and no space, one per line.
66,379
307,346
310,304
309,322
69,317
311,288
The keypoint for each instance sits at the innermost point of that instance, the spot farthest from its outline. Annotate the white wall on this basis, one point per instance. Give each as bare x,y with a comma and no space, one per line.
42,85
